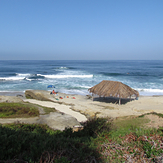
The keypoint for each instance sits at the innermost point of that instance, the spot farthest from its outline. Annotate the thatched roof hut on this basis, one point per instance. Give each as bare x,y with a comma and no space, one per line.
116,89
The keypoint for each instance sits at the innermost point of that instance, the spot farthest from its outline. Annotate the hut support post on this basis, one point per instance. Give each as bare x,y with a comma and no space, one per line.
119,101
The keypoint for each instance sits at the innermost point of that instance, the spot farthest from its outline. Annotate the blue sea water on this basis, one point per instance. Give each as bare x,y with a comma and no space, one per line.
76,77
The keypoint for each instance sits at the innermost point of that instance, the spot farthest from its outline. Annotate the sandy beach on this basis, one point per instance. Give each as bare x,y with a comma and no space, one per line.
68,103
74,109
86,106
103,109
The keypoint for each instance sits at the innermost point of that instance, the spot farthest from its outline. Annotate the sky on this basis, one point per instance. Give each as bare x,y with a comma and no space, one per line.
81,29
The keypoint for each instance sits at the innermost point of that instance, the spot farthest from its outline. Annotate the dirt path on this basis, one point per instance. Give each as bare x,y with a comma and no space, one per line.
59,107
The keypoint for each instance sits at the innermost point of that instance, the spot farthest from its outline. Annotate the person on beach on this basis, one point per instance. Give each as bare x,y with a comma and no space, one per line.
53,92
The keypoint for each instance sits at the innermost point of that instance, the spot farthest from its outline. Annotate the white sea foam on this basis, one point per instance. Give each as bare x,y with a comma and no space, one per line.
150,91
39,75
12,78
24,75
20,77
68,76
63,68
87,87
29,79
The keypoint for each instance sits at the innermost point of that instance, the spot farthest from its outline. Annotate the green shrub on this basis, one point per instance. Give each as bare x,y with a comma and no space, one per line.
29,142
97,142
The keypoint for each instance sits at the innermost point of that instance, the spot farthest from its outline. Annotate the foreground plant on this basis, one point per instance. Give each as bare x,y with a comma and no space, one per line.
99,141
35,143
134,149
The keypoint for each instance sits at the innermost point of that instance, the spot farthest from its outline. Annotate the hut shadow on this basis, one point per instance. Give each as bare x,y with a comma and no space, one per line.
113,100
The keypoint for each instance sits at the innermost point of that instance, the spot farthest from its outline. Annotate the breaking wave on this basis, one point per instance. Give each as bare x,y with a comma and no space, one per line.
12,78
68,76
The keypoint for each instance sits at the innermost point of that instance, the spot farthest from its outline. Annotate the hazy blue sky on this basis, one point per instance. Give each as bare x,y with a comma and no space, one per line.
81,29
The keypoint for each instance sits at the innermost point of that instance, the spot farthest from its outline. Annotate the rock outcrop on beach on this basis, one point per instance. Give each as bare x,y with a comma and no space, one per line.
38,95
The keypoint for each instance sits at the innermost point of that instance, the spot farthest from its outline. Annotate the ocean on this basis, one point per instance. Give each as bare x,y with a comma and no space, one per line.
76,77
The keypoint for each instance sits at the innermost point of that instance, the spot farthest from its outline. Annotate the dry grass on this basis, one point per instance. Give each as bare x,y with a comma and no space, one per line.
108,88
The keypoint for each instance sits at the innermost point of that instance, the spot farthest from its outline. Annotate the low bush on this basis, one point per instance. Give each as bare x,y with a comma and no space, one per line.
33,143
101,140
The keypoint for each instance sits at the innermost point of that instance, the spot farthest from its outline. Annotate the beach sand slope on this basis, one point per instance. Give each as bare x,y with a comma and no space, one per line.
86,106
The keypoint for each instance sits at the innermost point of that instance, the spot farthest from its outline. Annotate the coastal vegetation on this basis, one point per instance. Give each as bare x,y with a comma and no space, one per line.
22,110
14,110
125,139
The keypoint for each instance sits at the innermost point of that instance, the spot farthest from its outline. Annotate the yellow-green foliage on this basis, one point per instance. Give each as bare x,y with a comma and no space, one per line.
130,121
12,110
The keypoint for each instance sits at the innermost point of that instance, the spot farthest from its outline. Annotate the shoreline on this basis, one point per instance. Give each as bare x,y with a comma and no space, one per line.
12,93
97,108
17,93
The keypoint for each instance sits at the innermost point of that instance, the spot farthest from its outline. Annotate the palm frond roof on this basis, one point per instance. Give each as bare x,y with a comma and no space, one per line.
108,88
